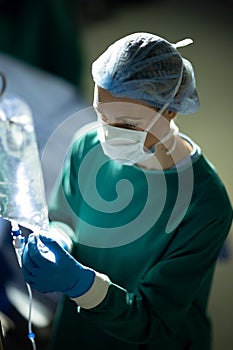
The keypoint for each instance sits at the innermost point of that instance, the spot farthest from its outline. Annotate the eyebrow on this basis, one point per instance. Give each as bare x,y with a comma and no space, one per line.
125,116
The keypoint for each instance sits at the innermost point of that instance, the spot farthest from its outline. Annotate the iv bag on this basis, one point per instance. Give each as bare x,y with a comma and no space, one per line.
22,196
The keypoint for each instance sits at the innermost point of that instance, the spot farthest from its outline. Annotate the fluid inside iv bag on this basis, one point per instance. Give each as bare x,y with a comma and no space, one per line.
22,197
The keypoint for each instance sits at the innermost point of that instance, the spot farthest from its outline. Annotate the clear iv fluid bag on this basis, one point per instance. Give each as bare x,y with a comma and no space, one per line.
22,196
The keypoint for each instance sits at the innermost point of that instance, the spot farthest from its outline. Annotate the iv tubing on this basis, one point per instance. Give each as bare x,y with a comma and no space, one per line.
31,335
19,243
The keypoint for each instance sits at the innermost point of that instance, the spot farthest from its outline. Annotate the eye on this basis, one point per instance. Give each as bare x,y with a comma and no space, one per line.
125,126
128,123
124,123
130,126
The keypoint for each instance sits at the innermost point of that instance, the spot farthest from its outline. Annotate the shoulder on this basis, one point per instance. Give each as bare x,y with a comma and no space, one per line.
85,138
88,131
207,179
210,196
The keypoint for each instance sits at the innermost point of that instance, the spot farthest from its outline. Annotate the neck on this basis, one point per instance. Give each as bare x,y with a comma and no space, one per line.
169,149
162,133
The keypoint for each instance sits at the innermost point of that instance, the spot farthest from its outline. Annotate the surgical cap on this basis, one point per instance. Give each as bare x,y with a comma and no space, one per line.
147,68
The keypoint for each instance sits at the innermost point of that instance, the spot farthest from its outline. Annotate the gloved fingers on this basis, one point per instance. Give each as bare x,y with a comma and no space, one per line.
27,260
33,251
51,243
30,275
35,277
49,247
36,256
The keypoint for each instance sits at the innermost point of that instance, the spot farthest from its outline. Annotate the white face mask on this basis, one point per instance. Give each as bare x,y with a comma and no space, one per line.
125,146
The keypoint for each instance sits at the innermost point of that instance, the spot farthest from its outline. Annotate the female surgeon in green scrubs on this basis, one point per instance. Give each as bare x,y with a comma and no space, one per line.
138,215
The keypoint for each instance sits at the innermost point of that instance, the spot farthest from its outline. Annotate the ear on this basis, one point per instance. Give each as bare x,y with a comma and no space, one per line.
169,115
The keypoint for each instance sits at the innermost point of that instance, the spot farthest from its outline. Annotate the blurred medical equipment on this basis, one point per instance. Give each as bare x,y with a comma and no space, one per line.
22,198
1,336
58,108
19,243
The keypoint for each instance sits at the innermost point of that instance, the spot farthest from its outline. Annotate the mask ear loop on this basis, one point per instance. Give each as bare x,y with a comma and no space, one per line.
160,112
3,87
156,117
168,152
180,43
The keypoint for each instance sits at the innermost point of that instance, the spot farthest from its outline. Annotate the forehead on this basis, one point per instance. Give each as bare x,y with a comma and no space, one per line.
112,106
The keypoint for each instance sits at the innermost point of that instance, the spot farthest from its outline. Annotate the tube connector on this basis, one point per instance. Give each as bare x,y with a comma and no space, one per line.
18,241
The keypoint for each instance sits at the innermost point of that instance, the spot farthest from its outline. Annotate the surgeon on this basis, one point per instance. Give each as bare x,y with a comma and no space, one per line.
138,214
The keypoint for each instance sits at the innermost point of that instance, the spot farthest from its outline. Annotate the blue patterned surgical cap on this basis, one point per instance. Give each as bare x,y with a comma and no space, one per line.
147,68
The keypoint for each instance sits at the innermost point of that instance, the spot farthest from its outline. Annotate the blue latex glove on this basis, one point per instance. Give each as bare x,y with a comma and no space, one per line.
47,267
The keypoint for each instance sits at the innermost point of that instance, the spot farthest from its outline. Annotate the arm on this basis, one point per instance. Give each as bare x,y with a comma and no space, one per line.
163,298
173,292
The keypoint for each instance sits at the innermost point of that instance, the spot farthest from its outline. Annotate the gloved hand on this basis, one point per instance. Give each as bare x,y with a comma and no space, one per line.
47,267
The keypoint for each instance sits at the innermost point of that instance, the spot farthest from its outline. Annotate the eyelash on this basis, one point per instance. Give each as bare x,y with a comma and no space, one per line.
124,125
131,126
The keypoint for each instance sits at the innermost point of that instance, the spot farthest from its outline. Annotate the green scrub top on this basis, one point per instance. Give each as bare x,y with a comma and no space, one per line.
156,234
